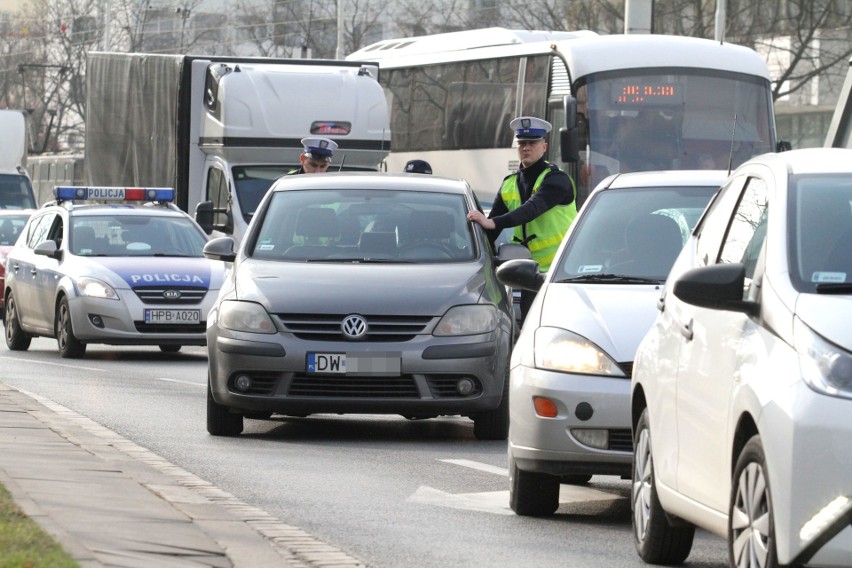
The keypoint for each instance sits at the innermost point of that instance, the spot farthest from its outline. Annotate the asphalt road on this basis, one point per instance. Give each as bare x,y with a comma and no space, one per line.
386,490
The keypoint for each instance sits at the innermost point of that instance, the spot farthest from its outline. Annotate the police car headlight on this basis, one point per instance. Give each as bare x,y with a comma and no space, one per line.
467,320
245,316
561,350
93,288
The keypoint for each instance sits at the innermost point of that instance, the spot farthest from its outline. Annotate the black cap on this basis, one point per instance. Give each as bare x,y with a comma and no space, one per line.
418,167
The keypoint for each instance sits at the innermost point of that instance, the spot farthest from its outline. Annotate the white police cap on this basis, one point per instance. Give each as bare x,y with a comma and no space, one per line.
319,148
530,128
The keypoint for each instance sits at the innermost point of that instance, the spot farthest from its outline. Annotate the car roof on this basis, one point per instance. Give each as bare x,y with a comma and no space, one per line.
668,178
372,180
808,160
113,209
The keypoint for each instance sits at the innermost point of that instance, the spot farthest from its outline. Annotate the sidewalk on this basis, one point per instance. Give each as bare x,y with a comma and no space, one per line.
109,502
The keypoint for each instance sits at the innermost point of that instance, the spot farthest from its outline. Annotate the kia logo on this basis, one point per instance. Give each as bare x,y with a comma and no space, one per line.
354,327
171,294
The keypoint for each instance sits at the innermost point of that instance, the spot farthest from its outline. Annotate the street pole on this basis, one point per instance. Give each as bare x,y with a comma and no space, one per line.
339,53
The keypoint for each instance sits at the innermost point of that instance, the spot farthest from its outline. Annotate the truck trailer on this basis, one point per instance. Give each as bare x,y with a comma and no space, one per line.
220,130
16,190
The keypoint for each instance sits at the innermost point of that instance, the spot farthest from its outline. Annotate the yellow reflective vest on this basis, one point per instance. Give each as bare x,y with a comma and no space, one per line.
548,228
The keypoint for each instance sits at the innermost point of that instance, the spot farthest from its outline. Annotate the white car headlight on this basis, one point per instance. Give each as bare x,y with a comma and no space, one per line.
93,288
467,320
826,368
245,316
561,350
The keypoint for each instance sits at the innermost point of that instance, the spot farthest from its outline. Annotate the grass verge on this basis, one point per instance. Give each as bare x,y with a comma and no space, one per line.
23,543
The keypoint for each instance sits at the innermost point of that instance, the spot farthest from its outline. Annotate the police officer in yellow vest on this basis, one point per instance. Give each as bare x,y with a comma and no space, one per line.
316,155
537,200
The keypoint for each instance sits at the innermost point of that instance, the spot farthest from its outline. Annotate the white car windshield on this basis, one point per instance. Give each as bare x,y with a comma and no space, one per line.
364,225
137,235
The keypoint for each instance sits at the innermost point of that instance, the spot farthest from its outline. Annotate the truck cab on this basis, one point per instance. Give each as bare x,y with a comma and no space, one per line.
16,190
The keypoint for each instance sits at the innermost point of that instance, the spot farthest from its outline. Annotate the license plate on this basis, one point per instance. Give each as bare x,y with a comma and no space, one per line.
373,364
173,316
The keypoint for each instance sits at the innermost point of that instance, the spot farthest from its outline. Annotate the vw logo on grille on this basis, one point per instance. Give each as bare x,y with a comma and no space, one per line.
354,327
171,294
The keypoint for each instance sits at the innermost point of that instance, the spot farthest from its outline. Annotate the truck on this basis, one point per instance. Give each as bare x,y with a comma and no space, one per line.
840,129
16,190
220,130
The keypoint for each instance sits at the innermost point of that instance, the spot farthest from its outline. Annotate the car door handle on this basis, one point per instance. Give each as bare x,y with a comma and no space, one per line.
686,331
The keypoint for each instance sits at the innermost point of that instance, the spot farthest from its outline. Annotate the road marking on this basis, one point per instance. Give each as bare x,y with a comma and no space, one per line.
164,379
479,466
496,502
65,366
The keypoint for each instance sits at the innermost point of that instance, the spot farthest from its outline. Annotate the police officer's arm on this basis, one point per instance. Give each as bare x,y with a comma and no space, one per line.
556,189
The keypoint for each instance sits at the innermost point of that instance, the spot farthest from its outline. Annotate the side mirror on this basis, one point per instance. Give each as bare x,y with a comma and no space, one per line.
220,249
521,273
49,249
569,137
717,287
204,216
511,251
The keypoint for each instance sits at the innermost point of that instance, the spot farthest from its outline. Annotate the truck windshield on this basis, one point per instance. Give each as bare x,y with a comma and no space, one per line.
252,182
16,192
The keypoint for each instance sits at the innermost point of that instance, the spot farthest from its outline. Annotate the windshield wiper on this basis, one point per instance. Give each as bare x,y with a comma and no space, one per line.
360,260
834,288
609,279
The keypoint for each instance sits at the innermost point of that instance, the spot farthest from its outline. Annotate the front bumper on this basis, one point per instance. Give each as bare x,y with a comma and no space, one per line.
430,369
583,402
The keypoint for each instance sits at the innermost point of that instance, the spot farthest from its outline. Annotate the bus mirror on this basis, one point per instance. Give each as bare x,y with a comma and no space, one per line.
569,138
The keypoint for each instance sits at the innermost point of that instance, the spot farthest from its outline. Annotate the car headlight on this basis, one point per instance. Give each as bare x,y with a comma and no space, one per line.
826,368
94,288
245,316
467,320
561,350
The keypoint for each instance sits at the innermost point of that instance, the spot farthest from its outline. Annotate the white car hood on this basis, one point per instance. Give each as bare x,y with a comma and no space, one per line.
615,317
828,315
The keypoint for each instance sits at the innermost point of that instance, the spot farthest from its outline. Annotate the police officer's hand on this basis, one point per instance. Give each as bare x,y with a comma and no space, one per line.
479,217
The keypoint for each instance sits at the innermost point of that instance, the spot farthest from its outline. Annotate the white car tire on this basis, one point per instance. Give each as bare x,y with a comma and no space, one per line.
751,528
69,346
656,540
532,494
16,338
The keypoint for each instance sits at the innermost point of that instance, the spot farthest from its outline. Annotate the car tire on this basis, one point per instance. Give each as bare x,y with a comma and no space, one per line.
656,540
751,528
220,420
170,348
69,346
16,338
532,494
494,424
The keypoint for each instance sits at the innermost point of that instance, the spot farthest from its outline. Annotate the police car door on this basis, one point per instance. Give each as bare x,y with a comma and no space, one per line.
46,277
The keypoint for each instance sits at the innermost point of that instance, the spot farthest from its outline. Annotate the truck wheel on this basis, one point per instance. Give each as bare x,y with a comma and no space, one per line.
532,494
494,424
657,542
69,346
16,338
751,529
220,420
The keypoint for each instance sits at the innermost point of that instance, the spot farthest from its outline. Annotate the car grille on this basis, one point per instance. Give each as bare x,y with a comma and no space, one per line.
155,295
354,387
262,384
319,327
621,440
444,386
143,327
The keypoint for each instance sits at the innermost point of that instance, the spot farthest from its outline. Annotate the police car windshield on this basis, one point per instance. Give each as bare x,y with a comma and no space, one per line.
138,235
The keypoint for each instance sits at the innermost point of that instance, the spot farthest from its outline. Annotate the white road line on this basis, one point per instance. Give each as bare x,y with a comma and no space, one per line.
181,382
63,365
480,466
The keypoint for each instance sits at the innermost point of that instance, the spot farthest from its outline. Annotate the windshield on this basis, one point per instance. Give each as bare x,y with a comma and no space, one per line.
634,233
820,239
252,183
137,235
16,192
356,225
676,119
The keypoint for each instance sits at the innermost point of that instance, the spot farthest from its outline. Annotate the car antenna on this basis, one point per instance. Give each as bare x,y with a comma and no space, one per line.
340,169
733,136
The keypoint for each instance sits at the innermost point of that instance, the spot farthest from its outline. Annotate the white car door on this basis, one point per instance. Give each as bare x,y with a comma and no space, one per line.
710,361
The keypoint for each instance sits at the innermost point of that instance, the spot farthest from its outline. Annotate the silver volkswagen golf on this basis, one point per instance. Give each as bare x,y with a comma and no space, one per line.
361,293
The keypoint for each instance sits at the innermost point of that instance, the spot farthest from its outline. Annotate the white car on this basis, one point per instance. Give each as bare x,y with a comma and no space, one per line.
570,369
742,389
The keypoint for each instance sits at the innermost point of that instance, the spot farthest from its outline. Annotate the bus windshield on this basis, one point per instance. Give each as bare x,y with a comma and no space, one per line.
671,120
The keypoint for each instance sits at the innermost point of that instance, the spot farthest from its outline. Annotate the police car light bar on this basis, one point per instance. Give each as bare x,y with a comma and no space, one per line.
161,194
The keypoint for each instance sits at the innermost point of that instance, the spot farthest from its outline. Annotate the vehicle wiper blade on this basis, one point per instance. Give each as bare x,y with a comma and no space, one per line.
609,279
834,288
359,260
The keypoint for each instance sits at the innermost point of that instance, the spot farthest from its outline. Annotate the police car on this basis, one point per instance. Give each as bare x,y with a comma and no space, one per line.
119,266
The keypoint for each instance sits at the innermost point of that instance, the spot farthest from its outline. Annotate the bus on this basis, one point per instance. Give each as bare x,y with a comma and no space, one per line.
840,130
617,103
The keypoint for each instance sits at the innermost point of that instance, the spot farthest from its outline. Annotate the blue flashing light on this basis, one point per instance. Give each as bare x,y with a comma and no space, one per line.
160,194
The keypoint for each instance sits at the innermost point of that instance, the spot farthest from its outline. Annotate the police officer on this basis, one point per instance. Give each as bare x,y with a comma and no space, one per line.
418,167
537,200
316,156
